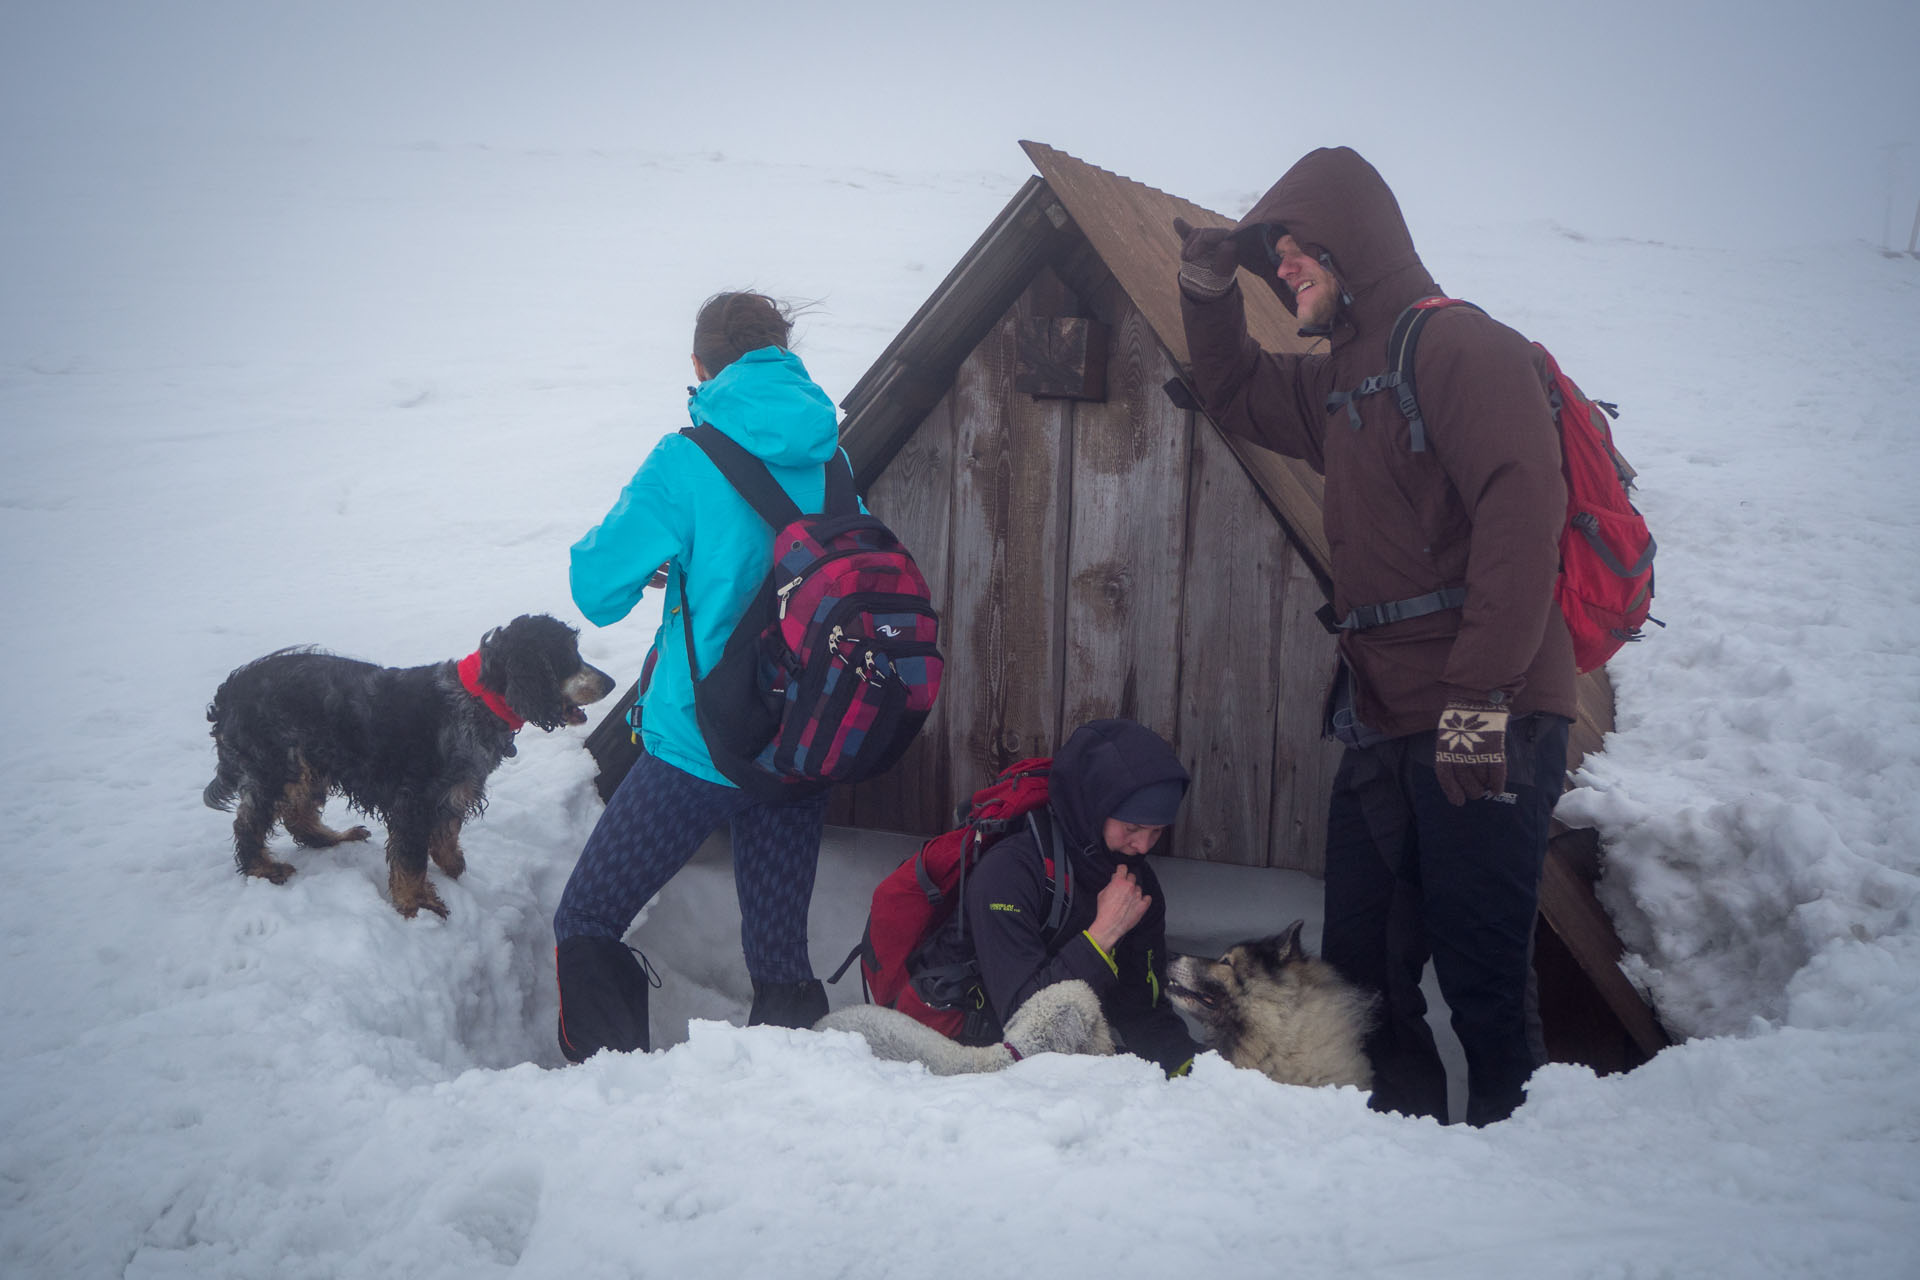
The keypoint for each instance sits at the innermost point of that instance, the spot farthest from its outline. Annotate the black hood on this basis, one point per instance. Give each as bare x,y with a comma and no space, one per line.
1100,765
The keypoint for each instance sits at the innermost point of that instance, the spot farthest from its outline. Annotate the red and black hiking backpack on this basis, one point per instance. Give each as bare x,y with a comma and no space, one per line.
1605,585
834,666
917,955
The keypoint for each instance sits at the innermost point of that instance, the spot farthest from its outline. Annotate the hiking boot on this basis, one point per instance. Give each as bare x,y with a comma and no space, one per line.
603,997
788,1004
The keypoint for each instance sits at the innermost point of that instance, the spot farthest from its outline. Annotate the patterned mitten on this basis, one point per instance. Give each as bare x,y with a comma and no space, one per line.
1470,754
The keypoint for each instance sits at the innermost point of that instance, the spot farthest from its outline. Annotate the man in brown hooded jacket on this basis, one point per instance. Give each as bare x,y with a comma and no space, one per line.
1457,678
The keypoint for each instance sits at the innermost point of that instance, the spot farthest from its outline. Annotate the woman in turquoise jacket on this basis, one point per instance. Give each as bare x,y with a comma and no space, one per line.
678,510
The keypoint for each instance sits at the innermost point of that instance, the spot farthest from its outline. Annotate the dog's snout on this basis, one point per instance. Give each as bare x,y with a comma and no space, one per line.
590,684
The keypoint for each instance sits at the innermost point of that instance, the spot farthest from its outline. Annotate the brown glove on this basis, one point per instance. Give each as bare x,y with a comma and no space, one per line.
1470,753
1208,256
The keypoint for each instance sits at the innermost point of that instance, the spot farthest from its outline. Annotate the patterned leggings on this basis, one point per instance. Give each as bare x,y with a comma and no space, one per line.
654,824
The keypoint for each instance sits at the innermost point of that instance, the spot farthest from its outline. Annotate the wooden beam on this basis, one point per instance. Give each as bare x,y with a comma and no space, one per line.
918,366
1568,905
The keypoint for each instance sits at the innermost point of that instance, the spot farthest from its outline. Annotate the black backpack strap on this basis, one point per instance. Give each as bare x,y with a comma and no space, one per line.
1401,345
686,629
751,479
841,500
1368,616
847,964
1350,399
747,474
1047,839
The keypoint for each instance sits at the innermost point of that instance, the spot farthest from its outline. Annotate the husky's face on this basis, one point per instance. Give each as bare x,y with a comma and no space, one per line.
1218,993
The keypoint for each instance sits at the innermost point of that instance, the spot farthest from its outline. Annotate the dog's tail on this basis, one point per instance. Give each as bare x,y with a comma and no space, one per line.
226,775
221,791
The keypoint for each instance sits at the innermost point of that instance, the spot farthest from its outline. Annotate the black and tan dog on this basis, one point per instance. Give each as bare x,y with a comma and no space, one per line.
412,746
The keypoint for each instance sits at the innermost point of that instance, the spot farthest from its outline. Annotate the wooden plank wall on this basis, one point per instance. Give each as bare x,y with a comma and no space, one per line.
1006,641
1100,559
1229,668
1304,759
983,486
1127,551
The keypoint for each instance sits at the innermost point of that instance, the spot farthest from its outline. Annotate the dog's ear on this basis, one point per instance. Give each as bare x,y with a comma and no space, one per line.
527,662
1283,948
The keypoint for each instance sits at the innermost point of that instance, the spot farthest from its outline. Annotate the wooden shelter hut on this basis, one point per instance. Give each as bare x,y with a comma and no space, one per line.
1097,550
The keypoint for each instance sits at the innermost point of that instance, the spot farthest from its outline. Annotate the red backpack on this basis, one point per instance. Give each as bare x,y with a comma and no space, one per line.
1605,585
833,668
916,955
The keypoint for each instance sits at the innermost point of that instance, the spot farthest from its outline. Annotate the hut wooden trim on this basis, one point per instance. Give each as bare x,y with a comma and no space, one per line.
916,369
1568,905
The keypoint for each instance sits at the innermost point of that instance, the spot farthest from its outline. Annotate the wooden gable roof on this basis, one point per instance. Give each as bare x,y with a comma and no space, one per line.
1129,225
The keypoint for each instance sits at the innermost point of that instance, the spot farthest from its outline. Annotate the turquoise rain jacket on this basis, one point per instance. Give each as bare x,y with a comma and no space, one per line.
679,510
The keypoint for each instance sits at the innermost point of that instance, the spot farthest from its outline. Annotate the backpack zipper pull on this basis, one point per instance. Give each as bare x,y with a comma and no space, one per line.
786,591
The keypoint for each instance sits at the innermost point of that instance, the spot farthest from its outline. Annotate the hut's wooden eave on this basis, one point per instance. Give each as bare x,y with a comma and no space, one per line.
919,365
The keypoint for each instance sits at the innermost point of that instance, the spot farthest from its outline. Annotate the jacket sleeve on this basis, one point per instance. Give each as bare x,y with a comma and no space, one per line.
1007,901
649,524
1252,392
1494,435
1137,1005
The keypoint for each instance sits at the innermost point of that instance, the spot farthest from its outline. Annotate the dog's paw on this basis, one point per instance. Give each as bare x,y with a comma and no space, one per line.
356,833
414,904
413,893
452,862
269,869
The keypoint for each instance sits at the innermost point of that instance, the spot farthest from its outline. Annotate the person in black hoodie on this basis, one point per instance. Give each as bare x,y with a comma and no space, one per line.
1115,788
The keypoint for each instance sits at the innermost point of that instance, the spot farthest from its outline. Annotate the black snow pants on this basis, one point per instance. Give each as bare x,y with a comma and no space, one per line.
1410,877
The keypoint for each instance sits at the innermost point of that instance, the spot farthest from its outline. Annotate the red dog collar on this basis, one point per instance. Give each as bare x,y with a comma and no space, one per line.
470,677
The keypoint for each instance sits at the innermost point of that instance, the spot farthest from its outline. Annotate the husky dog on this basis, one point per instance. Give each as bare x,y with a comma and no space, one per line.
1062,1018
1271,1007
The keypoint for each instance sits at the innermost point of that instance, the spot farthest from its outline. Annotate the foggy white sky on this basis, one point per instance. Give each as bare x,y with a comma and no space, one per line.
1715,123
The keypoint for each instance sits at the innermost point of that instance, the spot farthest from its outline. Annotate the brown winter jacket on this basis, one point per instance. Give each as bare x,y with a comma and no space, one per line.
1482,507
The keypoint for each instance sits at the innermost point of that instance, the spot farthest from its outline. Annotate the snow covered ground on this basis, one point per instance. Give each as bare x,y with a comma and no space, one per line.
273,392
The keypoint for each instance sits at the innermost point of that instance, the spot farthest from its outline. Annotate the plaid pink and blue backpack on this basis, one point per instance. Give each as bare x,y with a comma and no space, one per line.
834,666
